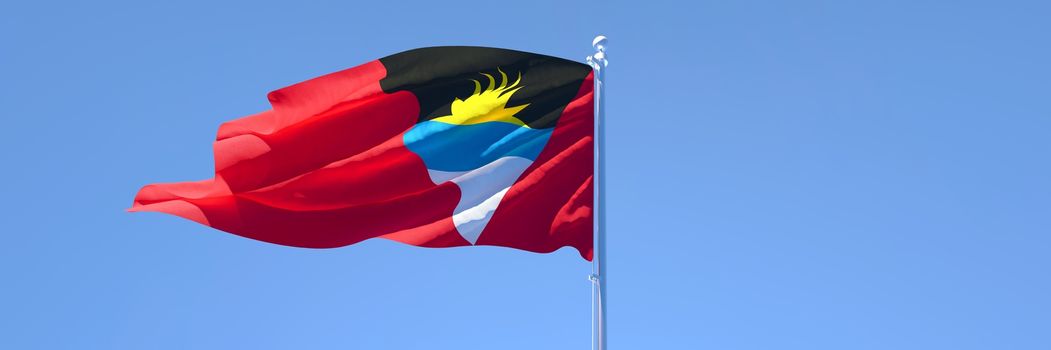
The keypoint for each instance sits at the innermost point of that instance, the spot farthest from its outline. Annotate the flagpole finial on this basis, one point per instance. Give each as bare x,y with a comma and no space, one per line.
599,58
600,43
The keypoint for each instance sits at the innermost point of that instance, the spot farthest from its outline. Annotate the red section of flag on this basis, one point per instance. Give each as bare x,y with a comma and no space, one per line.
326,167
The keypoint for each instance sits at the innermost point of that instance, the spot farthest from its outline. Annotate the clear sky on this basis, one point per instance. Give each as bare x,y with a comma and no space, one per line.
782,175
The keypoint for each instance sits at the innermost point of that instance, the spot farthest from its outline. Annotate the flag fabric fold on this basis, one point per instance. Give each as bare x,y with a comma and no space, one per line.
434,147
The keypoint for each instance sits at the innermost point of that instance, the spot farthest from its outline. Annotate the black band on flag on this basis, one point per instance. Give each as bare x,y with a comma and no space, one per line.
439,75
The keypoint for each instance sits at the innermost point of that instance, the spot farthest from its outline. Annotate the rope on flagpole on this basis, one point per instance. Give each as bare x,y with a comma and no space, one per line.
599,274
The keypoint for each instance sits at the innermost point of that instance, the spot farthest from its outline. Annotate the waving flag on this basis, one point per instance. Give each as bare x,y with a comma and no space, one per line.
434,147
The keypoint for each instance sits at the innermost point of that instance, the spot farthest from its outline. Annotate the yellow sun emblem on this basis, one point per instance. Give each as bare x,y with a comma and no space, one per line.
489,105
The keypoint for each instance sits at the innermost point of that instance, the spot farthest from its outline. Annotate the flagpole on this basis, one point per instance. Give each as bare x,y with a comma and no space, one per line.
599,269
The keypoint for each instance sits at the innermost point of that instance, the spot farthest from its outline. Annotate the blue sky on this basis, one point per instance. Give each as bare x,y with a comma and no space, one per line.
782,175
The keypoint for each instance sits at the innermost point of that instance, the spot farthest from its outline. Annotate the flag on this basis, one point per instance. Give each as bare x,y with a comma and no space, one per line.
433,147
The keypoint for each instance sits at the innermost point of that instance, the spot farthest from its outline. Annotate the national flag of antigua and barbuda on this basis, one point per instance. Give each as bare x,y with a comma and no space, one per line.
434,147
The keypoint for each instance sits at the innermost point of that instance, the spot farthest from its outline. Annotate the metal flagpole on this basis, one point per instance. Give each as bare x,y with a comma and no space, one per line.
599,270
